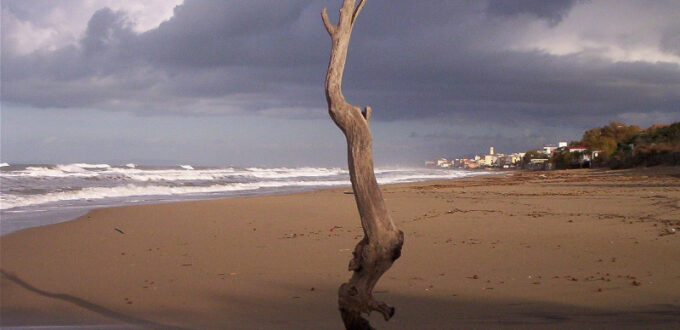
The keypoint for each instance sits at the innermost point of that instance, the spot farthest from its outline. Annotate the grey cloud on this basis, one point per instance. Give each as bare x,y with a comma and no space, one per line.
217,33
106,30
467,144
408,60
670,41
436,136
553,10
515,85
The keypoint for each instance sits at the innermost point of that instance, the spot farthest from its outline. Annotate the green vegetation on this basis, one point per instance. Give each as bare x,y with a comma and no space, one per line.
608,140
624,146
533,154
657,145
618,145
564,159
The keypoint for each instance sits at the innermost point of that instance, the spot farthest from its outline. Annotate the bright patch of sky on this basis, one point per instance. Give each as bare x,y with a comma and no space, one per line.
613,30
49,25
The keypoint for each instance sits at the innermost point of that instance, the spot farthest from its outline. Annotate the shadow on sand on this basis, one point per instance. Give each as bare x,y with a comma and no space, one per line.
128,320
318,310
300,307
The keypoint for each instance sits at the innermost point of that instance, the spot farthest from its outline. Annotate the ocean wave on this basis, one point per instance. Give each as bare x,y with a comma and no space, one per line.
425,177
130,190
393,170
4,164
285,172
81,167
229,172
23,187
184,173
168,175
59,171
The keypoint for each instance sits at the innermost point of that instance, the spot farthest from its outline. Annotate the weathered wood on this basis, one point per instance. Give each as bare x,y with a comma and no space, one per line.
382,241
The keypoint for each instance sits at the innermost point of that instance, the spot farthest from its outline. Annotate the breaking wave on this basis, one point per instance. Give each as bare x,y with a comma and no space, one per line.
24,188
130,190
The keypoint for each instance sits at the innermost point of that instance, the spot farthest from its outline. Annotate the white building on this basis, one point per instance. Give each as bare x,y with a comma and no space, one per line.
489,160
577,149
548,149
516,157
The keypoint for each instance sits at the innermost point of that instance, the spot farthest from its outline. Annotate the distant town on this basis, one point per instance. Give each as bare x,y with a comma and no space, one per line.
516,159
616,145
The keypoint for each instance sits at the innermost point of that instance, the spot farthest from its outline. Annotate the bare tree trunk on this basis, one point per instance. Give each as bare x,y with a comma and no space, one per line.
382,241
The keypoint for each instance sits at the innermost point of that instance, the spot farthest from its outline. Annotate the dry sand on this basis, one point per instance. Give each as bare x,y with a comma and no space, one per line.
583,248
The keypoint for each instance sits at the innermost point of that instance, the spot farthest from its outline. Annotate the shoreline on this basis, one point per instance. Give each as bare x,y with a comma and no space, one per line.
526,249
74,212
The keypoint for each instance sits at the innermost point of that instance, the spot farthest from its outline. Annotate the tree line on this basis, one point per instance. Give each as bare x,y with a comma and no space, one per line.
618,145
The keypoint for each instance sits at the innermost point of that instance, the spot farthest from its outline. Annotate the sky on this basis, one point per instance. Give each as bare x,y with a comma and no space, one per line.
240,83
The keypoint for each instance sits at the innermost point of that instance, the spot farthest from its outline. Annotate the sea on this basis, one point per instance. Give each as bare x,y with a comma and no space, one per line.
37,195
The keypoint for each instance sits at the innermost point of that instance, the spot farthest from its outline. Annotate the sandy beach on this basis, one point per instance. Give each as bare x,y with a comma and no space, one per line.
560,249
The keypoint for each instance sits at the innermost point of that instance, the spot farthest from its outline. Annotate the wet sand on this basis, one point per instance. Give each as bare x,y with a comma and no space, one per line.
582,248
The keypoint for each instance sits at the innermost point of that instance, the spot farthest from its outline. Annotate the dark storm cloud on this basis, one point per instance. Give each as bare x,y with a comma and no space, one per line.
218,33
103,30
552,10
671,41
409,60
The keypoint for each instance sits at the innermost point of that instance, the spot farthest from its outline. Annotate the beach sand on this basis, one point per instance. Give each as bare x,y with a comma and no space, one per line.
560,249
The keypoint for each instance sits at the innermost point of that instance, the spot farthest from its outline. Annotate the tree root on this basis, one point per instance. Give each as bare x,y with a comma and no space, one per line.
369,263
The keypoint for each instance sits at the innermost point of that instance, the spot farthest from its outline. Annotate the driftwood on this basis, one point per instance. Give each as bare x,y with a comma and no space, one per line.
382,241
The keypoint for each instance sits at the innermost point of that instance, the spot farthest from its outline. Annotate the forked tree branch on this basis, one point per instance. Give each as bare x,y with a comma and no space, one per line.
367,114
357,10
326,22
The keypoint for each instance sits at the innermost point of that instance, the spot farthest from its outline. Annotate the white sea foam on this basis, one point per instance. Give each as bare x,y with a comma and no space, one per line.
4,164
50,189
425,177
60,171
223,173
82,167
184,173
52,172
390,170
284,172
132,173
174,174
129,190
25,188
